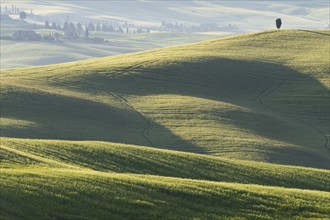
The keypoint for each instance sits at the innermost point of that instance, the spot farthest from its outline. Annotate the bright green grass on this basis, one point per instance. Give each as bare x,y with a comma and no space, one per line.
261,97
46,179
62,194
119,158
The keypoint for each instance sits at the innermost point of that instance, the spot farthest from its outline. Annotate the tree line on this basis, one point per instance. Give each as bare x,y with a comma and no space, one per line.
78,30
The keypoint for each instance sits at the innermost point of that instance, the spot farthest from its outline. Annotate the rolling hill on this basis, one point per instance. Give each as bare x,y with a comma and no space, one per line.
205,130
74,180
120,158
224,93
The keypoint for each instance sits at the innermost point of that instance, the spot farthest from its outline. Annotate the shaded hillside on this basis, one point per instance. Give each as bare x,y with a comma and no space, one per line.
243,97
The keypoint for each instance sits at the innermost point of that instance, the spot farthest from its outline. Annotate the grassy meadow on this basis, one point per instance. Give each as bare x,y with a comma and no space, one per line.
88,180
70,194
233,128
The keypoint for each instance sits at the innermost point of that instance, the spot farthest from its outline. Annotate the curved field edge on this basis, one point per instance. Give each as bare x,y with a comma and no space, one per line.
64,194
121,158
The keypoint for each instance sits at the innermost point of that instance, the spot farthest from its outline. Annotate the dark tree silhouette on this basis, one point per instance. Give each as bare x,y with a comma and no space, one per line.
104,27
80,30
54,26
79,27
86,33
72,27
278,23
22,15
47,24
98,27
120,30
72,31
91,27
66,27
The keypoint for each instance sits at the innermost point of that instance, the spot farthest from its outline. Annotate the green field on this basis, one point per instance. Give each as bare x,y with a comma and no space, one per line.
205,130
75,180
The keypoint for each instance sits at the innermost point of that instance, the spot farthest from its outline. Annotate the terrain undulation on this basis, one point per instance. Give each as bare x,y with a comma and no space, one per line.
233,128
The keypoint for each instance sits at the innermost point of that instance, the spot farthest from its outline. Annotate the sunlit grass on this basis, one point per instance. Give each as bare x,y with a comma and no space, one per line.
89,194
181,132
110,157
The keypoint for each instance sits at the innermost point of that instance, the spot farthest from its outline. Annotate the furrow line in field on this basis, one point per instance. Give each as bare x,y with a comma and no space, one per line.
145,130
266,92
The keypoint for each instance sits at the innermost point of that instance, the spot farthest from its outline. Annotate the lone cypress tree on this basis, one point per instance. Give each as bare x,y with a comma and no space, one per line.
278,23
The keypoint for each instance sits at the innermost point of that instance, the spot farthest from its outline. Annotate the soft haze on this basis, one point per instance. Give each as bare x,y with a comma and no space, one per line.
246,15
144,25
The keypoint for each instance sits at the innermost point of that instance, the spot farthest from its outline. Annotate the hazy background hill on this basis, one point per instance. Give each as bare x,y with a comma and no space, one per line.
215,18
248,16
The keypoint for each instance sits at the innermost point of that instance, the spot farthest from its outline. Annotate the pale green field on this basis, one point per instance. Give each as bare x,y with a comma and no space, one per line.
35,53
193,131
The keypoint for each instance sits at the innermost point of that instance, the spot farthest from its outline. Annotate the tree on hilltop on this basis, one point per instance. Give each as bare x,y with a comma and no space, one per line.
278,23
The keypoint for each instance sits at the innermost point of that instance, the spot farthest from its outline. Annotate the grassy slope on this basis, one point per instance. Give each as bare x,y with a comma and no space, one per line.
203,98
64,194
83,180
119,158
225,94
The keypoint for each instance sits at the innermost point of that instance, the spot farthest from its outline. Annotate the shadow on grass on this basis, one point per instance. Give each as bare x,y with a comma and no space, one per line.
70,118
267,89
254,85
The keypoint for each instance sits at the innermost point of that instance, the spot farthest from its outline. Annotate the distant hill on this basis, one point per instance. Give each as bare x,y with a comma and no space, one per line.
245,15
22,53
